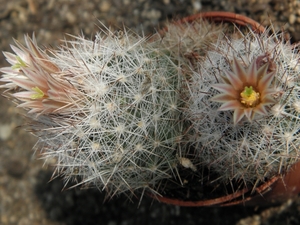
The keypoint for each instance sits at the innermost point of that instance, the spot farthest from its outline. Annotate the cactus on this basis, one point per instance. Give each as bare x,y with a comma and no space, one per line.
122,111
244,108
190,41
107,110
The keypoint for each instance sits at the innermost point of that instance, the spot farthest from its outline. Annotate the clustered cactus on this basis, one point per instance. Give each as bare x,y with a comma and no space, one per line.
107,110
244,107
124,112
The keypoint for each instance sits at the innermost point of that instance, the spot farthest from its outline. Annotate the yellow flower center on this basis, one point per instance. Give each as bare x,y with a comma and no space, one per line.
20,63
249,97
39,93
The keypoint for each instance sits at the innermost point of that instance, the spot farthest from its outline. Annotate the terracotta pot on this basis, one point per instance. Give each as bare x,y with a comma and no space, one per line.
278,189
234,18
227,17
275,190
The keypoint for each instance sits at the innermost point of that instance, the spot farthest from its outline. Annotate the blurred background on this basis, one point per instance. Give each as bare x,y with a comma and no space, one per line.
28,197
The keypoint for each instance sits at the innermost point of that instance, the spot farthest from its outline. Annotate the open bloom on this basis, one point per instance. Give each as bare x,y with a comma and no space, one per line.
245,91
36,82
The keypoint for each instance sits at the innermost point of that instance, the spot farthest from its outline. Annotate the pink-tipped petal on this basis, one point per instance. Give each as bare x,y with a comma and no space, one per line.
35,110
230,105
10,58
252,74
34,105
9,71
51,105
249,113
24,94
234,80
265,81
40,57
239,70
38,78
23,54
23,83
226,88
268,100
238,115
261,109
262,71
222,98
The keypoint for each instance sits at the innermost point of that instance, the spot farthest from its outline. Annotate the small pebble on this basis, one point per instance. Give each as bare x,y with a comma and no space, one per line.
71,17
5,131
197,6
292,19
105,6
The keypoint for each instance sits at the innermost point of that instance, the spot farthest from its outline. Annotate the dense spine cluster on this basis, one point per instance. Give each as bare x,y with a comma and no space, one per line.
125,136
122,130
124,112
239,141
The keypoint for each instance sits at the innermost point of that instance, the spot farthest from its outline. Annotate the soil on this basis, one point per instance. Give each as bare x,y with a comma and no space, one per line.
28,194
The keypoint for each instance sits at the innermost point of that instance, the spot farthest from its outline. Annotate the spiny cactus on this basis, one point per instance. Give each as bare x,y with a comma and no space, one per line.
121,112
254,134
190,41
107,110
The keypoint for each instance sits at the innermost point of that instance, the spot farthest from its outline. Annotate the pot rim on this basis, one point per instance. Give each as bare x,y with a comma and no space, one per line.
229,17
279,188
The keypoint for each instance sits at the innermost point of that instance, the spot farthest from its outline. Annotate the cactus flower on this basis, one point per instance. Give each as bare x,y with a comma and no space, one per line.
36,82
246,92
